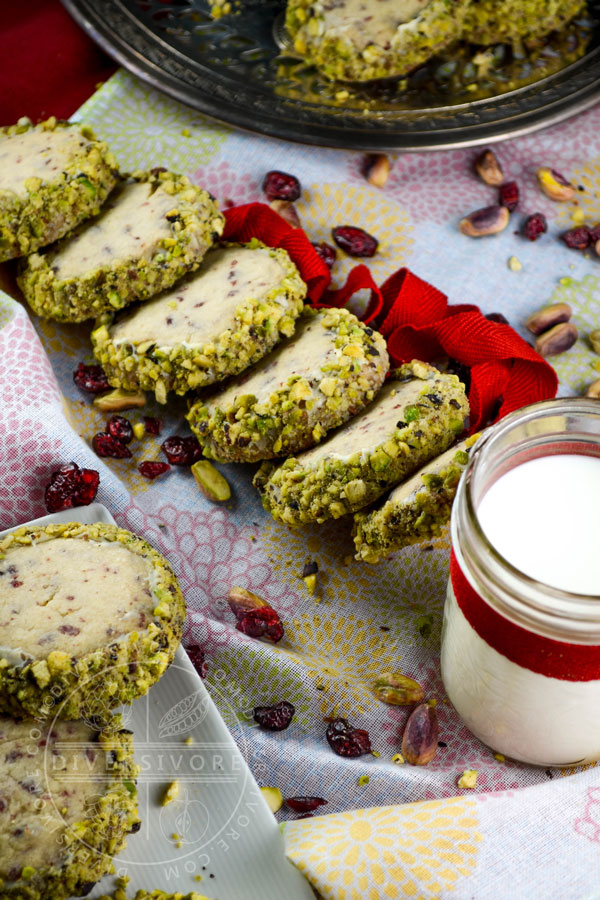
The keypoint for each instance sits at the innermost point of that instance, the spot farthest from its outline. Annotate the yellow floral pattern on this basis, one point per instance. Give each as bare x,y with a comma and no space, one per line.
417,851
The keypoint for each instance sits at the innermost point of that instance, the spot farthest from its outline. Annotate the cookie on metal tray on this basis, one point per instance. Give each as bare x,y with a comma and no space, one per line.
350,40
332,367
93,616
155,228
53,176
417,415
69,799
416,510
512,21
243,300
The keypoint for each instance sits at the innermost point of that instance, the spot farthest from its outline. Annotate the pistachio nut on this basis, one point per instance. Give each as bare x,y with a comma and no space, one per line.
545,318
554,185
593,390
420,738
558,339
117,400
468,779
489,169
377,169
213,485
489,220
287,211
397,689
595,340
274,798
242,601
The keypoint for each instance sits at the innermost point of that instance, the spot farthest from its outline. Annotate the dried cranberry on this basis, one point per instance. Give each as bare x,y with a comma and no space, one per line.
509,195
354,241
182,451
105,445
263,622
196,654
498,318
577,238
281,186
120,428
594,234
274,718
153,469
346,740
152,425
91,379
71,486
455,367
305,804
534,226
327,253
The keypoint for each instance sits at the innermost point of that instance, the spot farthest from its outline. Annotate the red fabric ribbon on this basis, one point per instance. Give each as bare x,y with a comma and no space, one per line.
556,659
416,319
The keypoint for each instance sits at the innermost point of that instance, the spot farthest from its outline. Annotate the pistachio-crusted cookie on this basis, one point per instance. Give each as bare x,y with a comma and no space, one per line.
416,510
154,895
155,228
332,367
69,798
225,317
92,618
52,177
512,21
351,40
416,416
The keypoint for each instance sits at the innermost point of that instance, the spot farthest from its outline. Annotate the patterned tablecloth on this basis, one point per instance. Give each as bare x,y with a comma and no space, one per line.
524,832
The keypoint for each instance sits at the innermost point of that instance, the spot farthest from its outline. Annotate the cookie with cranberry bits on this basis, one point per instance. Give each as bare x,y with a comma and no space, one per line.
94,616
155,228
332,367
242,301
53,176
416,510
350,40
69,799
416,416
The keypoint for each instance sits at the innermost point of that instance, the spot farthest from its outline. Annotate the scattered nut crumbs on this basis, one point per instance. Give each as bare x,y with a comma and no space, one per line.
189,741
500,757
139,430
170,793
397,759
514,264
274,798
468,779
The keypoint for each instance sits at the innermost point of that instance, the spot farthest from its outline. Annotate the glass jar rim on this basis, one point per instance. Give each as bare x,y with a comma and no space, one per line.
528,602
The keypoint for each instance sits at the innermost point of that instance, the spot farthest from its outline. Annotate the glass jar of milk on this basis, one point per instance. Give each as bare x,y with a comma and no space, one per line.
521,636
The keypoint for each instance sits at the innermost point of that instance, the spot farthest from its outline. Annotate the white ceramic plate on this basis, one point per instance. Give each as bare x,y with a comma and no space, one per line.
226,832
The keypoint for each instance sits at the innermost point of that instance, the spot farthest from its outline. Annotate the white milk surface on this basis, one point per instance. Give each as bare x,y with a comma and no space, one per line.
543,517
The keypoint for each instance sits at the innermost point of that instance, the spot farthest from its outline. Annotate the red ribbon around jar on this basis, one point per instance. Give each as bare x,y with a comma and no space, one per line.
417,320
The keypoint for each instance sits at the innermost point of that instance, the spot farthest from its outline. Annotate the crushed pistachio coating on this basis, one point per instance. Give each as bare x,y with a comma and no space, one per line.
67,177
332,367
95,680
416,416
512,21
353,41
154,895
416,510
256,324
179,222
85,847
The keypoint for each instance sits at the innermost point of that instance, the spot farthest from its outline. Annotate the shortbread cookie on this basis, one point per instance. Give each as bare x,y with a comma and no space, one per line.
332,367
52,177
92,618
354,40
69,799
243,300
416,416
416,510
155,228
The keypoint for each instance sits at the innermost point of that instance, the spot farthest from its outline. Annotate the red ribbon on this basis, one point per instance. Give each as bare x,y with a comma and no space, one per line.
416,319
556,659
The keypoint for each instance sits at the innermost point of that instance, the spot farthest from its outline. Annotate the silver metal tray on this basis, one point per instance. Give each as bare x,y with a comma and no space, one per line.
237,69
